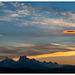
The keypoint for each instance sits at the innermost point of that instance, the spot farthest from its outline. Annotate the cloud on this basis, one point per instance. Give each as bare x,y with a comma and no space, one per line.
65,46
6,19
13,44
43,20
69,31
1,4
54,21
47,23
68,14
18,4
56,54
22,11
36,17
1,35
15,15
33,49
56,44
41,23
8,11
28,45
27,7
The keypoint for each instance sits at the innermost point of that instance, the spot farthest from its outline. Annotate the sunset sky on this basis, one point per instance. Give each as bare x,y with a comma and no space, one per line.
41,30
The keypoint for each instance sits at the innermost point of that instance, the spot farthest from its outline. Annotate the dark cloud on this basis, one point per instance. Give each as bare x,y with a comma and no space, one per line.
38,49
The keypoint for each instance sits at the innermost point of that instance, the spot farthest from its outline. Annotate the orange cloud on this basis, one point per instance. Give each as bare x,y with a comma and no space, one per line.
69,31
57,54
69,53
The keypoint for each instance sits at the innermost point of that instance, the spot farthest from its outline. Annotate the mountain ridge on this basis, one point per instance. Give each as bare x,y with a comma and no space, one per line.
26,62
26,65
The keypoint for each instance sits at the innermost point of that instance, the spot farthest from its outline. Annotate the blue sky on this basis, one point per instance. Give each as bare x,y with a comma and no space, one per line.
34,28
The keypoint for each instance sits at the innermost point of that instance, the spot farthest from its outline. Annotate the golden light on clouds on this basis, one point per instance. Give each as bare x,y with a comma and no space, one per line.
70,31
69,53
57,54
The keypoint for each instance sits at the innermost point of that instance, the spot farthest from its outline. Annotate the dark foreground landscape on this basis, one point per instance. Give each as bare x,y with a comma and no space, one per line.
26,65
27,70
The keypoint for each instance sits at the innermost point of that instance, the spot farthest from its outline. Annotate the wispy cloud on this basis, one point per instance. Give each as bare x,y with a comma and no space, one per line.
65,46
1,35
15,15
35,49
6,19
43,20
48,23
22,11
56,54
1,4
22,45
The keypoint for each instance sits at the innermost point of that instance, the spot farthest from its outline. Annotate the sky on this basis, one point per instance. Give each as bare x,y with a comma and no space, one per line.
41,30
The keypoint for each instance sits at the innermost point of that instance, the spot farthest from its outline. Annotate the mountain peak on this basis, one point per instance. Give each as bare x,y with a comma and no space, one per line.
23,58
45,62
55,63
7,58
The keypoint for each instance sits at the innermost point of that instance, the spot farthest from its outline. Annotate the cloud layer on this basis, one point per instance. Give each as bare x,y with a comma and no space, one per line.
34,50
36,28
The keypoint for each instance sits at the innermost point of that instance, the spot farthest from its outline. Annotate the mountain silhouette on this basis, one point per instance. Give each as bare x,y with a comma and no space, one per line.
26,62
26,65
